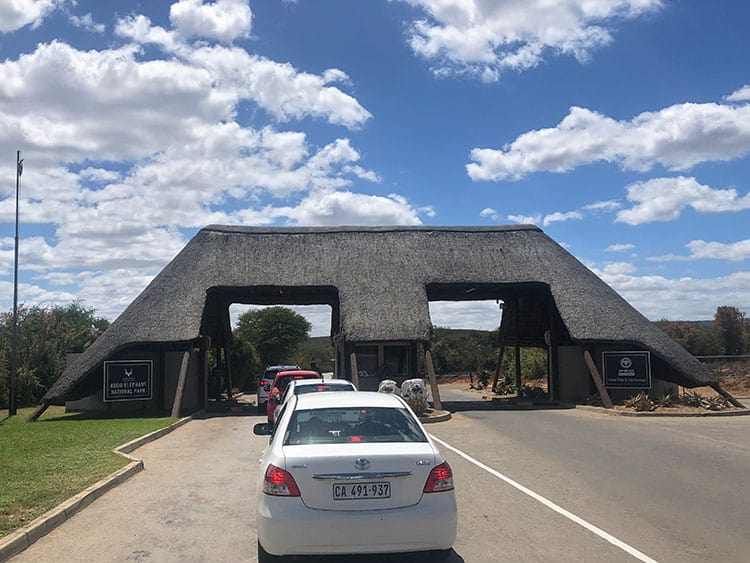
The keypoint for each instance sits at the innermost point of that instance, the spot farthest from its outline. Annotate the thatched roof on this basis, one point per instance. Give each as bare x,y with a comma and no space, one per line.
379,281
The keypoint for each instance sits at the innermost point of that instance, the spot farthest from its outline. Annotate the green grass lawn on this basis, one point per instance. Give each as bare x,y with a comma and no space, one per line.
46,462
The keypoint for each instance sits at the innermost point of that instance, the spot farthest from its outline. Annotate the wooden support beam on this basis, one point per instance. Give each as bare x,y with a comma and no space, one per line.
727,396
436,404
499,365
37,413
597,380
519,383
228,372
355,373
177,403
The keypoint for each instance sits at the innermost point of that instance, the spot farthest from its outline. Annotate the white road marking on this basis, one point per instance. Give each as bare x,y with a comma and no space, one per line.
549,504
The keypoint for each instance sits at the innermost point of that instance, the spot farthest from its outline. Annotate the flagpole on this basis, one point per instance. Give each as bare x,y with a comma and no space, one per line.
13,391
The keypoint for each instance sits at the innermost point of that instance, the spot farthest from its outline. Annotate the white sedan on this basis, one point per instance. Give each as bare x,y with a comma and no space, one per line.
352,473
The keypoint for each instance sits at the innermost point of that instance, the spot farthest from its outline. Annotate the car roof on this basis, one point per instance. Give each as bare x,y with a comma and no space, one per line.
282,368
342,399
298,373
304,382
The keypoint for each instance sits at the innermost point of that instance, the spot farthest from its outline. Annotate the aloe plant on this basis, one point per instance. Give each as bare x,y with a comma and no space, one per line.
666,400
714,403
692,399
640,402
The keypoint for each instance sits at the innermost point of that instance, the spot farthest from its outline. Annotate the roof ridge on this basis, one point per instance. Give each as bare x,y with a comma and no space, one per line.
239,229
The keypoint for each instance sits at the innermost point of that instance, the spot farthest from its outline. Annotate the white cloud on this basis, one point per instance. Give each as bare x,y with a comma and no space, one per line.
15,14
741,95
603,206
490,213
618,268
474,315
702,250
427,211
663,199
619,247
87,22
126,153
526,219
483,39
559,216
545,220
659,297
677,138
276,87
329,207
100,175
32,294
223,20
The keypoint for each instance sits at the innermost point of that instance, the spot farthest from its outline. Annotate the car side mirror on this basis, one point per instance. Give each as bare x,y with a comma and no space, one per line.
263,429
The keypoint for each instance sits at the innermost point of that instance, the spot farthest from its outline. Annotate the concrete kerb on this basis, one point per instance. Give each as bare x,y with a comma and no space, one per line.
612,412
22,538
435,416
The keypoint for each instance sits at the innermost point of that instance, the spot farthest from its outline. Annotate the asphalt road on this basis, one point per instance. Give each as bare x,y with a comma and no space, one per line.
665,489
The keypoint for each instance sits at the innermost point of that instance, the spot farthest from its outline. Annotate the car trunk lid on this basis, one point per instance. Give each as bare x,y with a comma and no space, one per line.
357,476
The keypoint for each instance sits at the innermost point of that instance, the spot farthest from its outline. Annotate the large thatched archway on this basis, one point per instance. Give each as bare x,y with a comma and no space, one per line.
379,282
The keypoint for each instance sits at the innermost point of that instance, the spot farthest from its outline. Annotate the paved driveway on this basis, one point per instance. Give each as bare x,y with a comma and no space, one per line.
668,489
193,502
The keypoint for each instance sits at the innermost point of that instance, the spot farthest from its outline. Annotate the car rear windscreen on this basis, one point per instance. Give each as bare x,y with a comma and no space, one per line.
352,425
320,388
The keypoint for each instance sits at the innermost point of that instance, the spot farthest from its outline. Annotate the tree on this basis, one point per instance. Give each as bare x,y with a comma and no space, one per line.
698,338
730,323
246,364
274,332
45,338
316,350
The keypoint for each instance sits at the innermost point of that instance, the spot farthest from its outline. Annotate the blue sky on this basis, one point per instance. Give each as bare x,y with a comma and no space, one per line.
620,127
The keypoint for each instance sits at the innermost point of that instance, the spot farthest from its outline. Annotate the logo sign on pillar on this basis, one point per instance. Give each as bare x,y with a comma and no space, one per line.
627,370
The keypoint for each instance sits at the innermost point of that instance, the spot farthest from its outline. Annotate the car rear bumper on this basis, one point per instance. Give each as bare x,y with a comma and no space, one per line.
287,527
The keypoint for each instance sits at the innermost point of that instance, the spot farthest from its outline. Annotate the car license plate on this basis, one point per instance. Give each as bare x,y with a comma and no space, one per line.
357,491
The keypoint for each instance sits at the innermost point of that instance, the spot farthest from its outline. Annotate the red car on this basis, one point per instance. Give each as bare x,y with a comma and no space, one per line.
279,385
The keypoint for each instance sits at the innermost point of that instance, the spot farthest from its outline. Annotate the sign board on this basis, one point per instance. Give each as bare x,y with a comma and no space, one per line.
128,380
627,370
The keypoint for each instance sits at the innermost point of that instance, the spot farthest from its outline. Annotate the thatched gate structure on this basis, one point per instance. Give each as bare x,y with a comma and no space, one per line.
378,281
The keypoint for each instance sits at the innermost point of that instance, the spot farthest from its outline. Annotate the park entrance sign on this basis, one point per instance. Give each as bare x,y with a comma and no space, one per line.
627,370
128,380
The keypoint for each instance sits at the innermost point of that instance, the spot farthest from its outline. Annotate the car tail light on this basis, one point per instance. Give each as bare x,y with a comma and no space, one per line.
280,483
440,479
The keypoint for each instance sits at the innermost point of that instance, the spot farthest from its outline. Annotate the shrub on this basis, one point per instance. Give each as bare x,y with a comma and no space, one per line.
530,392
714,403
666,400
692,399
640,402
